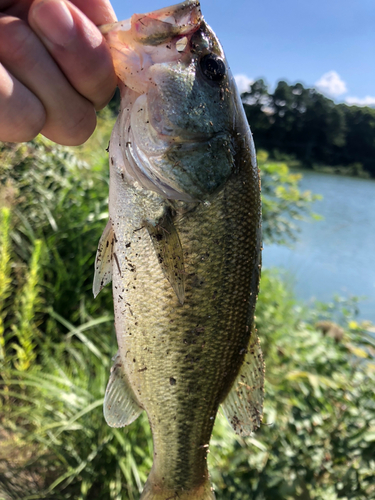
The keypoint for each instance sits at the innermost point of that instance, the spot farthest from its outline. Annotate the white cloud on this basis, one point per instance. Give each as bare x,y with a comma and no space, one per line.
358,101
243,82
331,84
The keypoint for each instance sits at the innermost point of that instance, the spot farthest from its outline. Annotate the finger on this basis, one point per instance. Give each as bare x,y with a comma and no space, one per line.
99,11
16,8
22,115
77,46
70,118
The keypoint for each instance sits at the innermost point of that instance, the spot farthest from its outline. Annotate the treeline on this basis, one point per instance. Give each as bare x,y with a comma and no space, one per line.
301,122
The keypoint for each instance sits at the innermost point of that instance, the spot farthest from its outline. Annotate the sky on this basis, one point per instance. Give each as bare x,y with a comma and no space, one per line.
327,44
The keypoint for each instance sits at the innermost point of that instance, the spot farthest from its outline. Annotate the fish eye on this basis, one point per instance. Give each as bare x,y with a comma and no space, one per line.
213,67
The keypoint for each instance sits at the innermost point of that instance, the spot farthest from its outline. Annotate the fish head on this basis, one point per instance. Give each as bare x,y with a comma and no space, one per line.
183,119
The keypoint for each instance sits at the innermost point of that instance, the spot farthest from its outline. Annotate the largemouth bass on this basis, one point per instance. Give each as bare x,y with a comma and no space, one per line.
182,246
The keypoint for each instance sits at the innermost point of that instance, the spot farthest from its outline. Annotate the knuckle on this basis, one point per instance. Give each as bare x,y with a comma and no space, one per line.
17,39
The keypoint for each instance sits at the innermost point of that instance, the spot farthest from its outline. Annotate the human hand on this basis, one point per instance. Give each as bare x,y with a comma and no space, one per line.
55,68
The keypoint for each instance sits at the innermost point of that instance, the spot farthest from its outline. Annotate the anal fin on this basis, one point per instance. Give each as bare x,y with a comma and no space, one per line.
168,249
103,260
120,405
243,406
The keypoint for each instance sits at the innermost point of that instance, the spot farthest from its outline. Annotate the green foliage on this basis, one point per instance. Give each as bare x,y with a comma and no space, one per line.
57,419
26,310
18,321
302,122
57,344
62,200
283,202
5,279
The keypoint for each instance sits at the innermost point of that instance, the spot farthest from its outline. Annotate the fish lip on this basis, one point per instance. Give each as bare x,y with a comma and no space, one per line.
176,20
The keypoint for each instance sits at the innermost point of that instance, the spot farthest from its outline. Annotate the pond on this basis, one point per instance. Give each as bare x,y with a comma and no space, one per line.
337,254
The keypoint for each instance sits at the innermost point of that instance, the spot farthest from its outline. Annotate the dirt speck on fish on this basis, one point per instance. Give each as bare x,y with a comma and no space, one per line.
181,247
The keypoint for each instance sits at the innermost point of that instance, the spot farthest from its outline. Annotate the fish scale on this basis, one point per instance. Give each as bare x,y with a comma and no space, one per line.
182,248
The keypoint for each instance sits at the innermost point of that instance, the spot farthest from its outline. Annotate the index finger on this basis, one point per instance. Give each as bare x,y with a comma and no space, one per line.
77,46
98,11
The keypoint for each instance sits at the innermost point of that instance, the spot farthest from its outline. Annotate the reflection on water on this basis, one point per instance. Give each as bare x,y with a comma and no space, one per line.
335,255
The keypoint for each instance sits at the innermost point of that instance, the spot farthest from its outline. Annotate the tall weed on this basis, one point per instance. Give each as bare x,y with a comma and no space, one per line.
27,306
5,269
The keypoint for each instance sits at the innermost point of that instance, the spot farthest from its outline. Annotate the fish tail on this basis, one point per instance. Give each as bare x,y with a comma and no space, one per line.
153,491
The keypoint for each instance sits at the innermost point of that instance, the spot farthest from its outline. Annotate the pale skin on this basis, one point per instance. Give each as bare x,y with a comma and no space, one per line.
55,69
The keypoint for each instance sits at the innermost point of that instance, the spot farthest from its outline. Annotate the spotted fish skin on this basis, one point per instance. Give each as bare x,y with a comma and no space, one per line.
182,247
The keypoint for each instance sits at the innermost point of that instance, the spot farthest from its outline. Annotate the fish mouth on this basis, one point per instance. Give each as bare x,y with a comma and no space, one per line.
160,25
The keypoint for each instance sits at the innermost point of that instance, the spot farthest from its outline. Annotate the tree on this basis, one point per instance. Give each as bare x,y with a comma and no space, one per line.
301,122
360,137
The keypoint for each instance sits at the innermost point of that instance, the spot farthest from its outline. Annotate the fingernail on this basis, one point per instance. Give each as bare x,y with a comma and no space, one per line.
55,21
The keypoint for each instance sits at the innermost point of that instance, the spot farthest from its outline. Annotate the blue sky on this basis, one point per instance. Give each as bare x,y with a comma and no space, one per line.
329,44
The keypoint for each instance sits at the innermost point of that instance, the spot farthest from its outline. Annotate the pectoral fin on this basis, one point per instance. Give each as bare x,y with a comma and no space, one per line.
169,252
103,260
243,406
120,405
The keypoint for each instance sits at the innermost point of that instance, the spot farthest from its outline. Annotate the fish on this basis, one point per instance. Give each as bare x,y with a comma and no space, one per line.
182,246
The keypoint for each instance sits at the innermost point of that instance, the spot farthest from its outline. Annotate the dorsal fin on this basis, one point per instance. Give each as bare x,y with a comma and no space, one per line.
243,406
120,404
103,260
168,249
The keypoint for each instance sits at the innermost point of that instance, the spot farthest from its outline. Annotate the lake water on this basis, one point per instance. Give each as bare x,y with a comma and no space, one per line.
337,254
